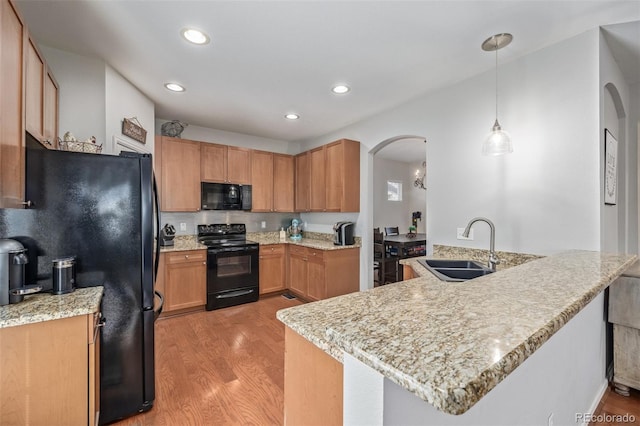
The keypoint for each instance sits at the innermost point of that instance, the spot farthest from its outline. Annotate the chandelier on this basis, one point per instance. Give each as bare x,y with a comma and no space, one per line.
419,182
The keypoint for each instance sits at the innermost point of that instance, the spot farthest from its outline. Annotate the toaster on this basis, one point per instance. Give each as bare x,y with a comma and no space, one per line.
343,233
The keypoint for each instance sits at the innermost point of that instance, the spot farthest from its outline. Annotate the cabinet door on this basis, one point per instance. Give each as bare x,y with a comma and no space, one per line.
282,183
50,111
34,90
238,165
317,189
11,118
180,175
272,268
262,181
302,182
316,283
298,273
334,176
213,162
186,280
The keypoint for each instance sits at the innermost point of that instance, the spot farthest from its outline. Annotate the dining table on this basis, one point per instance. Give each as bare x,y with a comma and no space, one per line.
403,246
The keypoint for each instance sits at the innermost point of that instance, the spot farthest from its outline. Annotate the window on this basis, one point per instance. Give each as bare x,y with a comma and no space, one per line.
394,190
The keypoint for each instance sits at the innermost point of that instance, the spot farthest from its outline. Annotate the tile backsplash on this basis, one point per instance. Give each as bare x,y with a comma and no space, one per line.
273,221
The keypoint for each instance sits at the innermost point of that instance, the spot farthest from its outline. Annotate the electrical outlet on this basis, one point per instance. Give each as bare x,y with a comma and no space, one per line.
459,235
263,224
183,226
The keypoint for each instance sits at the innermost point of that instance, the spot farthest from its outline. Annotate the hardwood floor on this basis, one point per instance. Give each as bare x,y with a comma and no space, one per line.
224,367
612,405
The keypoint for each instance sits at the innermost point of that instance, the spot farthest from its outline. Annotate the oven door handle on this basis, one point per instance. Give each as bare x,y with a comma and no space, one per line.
231,249
235,294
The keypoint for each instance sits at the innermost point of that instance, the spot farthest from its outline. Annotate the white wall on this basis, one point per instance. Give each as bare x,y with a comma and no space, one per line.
206,134
81,81
396,213
124,100
618,224
94,99
544,197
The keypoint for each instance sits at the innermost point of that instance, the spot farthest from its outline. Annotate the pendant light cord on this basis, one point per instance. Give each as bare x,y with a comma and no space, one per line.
496,79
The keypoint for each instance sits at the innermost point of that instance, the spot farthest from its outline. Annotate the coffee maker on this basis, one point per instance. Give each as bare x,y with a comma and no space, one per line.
13,258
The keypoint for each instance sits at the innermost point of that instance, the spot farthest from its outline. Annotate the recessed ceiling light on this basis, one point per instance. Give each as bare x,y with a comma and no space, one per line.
195,36
174,87
340,89
292,116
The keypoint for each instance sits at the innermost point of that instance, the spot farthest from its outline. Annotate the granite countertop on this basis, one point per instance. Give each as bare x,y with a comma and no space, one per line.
317,241
451,343
184,243
41,307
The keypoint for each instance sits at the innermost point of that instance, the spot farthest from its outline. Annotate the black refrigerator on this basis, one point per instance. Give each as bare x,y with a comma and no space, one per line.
100,209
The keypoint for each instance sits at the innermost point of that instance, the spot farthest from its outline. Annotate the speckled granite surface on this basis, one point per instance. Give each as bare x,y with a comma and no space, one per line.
451,343
184,243
190,242
507,259
46,307
319,241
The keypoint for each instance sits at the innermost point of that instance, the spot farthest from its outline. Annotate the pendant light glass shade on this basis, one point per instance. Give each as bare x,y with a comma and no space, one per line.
498,142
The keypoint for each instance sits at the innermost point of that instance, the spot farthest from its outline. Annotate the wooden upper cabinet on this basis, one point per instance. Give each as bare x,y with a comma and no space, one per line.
11,107
34,99
262,181
51,110
225,164
302,176
317,189
239,165
283,192
343,176
213,162
180,175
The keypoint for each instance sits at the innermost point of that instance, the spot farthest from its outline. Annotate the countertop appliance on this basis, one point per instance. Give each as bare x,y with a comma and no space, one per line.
167,234
13,259
101,209
233,273
225,196
343,234
295,230
64,275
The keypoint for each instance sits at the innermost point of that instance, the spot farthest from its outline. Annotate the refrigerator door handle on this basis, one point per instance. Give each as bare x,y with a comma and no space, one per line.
157,312
157,207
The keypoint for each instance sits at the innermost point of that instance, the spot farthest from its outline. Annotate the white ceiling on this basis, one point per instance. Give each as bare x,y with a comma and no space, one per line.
268,58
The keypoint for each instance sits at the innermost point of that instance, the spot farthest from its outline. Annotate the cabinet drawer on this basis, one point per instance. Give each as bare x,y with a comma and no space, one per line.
272,249
187,256
298,250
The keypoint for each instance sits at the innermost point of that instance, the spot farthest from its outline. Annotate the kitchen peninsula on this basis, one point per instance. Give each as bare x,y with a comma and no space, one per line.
451,344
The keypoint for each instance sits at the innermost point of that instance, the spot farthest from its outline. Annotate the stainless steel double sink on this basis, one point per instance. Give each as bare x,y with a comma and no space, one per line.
455,270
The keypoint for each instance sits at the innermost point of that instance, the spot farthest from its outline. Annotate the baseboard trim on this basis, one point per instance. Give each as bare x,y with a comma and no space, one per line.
594,404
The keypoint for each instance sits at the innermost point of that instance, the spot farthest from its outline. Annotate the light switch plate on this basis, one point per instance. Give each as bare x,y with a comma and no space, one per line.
459,233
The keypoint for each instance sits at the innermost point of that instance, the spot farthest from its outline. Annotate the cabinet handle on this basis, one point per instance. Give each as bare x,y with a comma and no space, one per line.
204,263
186,256
27,203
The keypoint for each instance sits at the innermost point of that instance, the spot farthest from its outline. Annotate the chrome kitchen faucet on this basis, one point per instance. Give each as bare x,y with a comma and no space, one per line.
493,259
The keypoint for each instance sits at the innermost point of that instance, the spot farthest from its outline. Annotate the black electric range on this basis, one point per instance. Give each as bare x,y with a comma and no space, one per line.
233,274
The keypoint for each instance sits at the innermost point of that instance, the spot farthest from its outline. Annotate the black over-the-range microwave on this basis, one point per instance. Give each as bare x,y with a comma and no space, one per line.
225,196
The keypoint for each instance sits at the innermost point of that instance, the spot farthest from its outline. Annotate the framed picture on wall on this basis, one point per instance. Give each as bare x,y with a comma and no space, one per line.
610,168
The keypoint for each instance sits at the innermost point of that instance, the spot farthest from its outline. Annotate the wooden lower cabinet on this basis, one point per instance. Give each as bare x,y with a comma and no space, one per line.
313,384
50,372
407,273
273,268
185,280
319,274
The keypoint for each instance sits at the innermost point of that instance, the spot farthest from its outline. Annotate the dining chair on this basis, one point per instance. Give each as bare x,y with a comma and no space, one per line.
378,257
391,230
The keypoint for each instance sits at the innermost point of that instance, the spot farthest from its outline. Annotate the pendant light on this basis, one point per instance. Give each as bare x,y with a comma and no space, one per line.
498,142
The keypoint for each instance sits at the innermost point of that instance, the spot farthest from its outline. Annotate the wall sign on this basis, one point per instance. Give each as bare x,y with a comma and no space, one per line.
131,127
610,168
